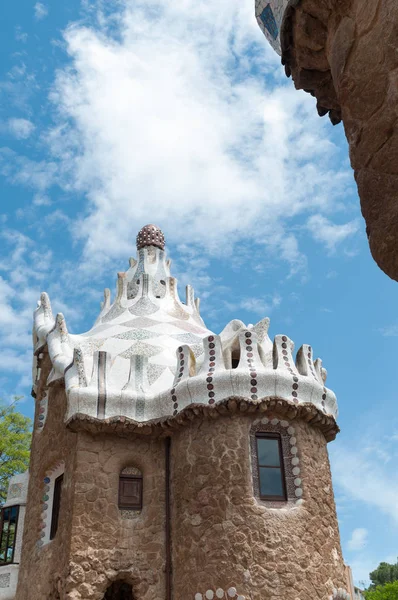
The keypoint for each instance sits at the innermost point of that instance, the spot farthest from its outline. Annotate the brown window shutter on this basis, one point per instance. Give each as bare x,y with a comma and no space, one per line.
130,492
56,505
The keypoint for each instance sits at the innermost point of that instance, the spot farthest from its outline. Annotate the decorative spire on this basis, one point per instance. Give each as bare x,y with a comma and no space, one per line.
150,235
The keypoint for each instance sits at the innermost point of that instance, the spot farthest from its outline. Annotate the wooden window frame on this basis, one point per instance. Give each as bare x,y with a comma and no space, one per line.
271,436
124,477
57,498
8,562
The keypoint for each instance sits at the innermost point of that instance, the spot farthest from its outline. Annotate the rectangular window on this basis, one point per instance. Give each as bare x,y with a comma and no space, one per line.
130,492
9,521
270,466
56,505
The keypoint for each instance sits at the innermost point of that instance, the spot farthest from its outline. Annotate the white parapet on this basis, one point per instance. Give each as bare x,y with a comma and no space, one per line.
149,354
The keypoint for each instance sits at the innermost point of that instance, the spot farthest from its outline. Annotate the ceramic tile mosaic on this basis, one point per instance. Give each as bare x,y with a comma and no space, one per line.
141,349
14,491
269,15
113,370
154,372
187,338
135,334
218,592
5,579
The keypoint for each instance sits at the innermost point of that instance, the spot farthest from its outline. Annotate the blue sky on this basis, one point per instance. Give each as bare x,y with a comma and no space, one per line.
117,114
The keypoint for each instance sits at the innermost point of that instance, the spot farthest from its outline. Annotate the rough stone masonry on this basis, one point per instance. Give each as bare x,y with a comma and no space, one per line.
345,53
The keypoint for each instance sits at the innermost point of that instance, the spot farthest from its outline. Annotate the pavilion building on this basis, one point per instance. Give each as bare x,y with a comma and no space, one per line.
169,462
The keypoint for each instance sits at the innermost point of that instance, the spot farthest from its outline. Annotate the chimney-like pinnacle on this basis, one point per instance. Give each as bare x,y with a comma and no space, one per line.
150,235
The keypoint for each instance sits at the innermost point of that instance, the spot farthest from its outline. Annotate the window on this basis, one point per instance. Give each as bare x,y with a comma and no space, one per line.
270,467
9,520
234,362
130,490
56,505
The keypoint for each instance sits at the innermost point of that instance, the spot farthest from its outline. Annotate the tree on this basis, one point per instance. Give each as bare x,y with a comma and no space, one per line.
389,591
15,437
385,573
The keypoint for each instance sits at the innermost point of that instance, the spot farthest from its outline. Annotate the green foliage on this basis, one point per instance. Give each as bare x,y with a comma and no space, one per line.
389,591
15,437
385,573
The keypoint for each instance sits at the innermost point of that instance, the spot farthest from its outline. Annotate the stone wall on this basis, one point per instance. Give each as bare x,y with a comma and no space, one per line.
42,568
225,538
109,544
344,52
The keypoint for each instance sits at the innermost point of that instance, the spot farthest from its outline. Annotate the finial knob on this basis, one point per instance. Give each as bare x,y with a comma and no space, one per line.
150,235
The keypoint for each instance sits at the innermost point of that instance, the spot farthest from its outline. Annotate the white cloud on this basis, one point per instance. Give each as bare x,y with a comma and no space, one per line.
22,272
166,117
361,476
358,540
41,11
21,128
261,306
20,35
325,231
389,331
41,200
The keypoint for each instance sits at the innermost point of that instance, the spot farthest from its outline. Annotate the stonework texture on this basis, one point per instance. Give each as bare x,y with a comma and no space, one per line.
106,545
222,536
344,52
42,569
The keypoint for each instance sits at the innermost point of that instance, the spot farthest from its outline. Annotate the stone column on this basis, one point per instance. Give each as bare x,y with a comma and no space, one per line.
345,53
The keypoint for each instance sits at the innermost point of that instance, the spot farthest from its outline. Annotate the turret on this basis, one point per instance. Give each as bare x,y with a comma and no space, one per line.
169,461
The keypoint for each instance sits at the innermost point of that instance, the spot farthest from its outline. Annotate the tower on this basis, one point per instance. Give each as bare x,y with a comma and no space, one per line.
171,462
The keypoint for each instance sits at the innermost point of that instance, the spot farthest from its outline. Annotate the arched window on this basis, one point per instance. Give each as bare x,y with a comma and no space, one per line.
119,590
130,489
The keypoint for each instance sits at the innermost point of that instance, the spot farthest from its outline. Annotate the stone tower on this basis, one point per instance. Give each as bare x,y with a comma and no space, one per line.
169,462
344,52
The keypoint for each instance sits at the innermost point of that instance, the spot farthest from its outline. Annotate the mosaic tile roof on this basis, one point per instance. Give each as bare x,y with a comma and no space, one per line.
269,15
149,355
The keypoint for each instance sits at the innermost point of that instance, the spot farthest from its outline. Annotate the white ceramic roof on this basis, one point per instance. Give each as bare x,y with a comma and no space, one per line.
149,355
269,15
